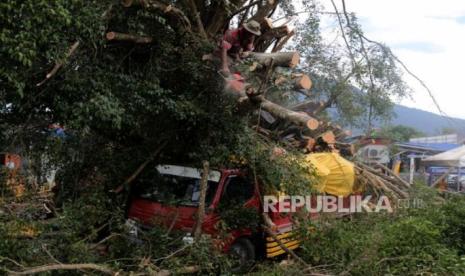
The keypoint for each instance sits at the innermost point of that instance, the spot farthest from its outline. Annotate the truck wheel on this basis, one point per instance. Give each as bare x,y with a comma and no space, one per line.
243,253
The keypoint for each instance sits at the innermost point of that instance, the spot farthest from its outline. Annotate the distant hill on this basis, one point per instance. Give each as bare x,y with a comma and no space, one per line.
424,121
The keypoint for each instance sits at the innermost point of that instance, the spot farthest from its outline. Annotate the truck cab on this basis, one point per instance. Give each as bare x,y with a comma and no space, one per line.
170,196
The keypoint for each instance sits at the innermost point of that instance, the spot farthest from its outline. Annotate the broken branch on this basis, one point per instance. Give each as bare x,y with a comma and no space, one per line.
59,64
110,36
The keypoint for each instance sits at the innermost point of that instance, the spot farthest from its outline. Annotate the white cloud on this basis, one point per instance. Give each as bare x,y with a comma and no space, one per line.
428,38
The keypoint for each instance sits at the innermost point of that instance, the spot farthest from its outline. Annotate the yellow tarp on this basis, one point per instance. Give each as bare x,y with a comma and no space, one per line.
335,173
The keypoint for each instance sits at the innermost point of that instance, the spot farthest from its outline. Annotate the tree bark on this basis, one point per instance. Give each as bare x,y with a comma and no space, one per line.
265,10
283,59
298,118
201,209
219,17
110,36
174,14
198,19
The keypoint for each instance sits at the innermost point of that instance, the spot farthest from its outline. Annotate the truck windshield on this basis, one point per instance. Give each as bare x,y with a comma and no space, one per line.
174,189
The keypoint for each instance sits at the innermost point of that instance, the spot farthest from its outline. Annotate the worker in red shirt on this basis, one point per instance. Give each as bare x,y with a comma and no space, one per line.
238,41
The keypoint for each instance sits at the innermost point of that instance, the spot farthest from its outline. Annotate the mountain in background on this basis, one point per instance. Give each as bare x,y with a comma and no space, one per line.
424,121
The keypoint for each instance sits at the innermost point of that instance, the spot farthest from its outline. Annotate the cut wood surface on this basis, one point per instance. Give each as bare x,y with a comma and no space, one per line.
303,82
128,37
283,59
328,137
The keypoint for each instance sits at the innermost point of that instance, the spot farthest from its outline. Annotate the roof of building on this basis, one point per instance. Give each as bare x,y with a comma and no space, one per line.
433,147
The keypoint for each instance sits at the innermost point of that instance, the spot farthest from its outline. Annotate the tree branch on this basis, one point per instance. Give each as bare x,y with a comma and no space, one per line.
198,20
128,37
59,64
140,168
170,10
51,267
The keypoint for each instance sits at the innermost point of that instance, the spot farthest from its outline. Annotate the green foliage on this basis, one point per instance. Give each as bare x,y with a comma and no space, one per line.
446,130
416,240
454,229
360,79
398,133
32,38
239,217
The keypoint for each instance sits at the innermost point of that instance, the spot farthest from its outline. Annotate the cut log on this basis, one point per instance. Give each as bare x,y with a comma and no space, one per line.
328,137
303,82
283,59
298,118
310,143
128,37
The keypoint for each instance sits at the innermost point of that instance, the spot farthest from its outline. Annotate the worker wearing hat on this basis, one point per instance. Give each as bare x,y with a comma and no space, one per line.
237,41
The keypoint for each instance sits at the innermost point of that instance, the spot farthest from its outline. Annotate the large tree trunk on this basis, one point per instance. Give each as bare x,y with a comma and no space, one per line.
265,10
218,15
283,59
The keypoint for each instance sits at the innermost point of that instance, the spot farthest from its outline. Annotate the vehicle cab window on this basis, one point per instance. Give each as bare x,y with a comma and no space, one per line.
238,190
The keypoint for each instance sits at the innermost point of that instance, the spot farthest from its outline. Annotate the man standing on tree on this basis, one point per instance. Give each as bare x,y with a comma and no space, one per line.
237,42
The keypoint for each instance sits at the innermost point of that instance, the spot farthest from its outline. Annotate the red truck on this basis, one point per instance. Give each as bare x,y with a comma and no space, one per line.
170,197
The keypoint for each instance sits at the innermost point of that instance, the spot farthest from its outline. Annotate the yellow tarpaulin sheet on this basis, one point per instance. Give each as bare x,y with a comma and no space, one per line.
336,174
